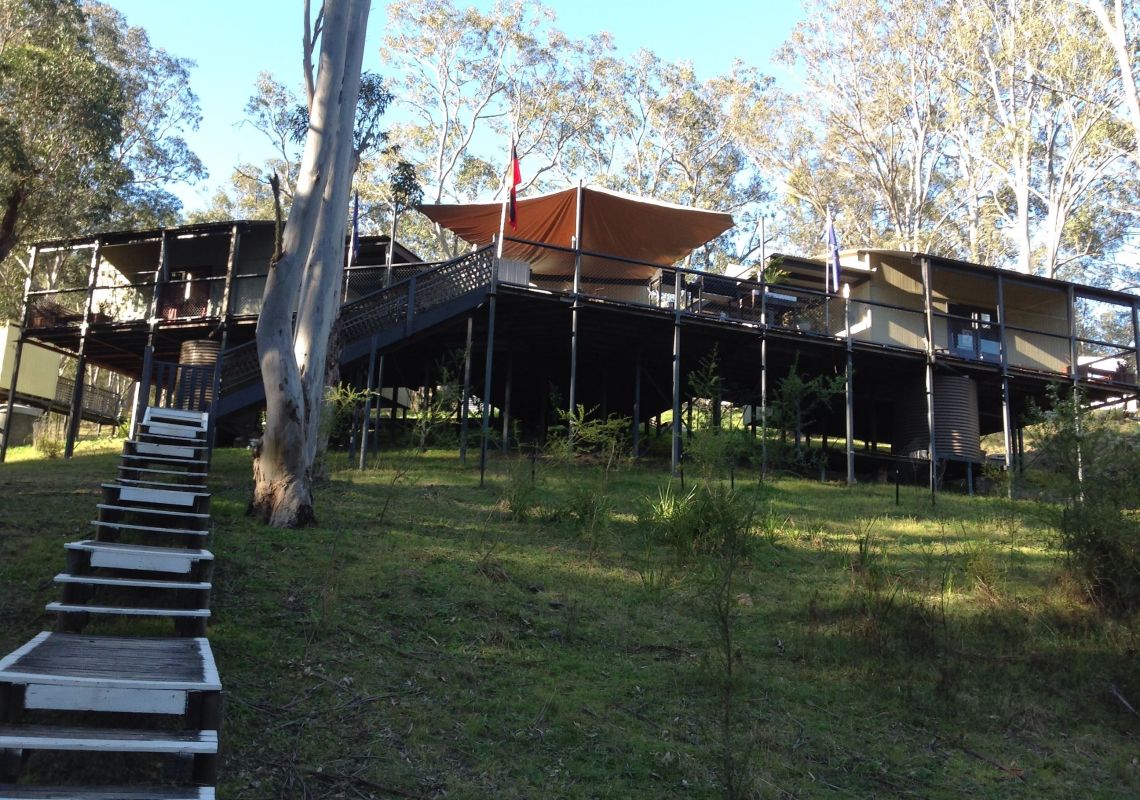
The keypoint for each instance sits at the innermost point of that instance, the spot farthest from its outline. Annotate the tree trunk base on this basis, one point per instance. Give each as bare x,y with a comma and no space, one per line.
284,503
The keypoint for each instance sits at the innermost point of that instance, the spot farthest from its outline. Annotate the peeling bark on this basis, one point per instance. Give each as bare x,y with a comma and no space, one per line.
307,277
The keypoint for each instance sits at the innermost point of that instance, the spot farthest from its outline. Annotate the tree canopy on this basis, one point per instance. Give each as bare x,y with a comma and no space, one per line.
92,129
999,132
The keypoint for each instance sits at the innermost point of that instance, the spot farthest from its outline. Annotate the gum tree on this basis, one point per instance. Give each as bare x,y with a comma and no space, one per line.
305,272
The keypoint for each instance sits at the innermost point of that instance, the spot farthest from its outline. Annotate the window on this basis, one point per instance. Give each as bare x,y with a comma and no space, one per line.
974,332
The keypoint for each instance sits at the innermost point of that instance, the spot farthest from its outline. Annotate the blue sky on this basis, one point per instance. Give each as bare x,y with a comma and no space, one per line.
235,40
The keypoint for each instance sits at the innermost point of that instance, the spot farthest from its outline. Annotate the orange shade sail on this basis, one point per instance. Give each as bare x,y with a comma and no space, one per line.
613,224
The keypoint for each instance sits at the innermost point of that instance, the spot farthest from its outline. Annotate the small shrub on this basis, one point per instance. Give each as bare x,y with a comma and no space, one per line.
520,494
983,564
46,438
702,521
1091,466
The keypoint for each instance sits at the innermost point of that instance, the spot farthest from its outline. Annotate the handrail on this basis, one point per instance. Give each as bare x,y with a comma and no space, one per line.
802,308
96,400
382,309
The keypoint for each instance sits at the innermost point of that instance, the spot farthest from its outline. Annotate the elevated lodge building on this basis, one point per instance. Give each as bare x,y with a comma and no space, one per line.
587,302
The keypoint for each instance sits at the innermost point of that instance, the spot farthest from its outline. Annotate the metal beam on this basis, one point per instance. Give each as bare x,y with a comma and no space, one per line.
76,411
142,393
929,316
577,294
1006,398
637,407
763,375
367,417
849,388
1136,337
465,397
675,460
488,366
32,254
507,403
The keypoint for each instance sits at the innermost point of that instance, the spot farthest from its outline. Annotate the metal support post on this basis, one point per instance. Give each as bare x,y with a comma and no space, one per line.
763,376
367,416
465,397
18,355
488,366
75,414
636,433
849,387
928,312
1006,398
675,460
507,403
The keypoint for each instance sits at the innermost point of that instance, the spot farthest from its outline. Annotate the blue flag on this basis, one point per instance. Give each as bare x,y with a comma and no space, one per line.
354,242
831,273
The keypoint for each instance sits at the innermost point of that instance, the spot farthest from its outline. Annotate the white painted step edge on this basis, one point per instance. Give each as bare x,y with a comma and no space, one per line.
110,741
65,608
135,583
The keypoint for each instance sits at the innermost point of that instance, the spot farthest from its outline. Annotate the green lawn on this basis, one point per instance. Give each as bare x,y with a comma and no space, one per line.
420,642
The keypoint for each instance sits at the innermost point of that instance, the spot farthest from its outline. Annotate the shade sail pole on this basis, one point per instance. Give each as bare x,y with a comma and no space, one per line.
763,370
676,449
488,365
577,288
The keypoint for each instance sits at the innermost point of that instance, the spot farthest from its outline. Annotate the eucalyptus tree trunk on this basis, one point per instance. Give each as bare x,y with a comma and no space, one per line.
305,276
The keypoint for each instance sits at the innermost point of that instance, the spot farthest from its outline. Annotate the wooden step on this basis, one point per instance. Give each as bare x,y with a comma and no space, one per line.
107,740
71,672
132,583
173,487
127,611
179,451
176,416
161,512
151,458
138,494
185,433
126,526
151,470
162,484
139,557
134,662
107,793
171,434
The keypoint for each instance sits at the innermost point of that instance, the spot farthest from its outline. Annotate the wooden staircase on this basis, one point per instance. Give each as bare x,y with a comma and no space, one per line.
155,701
376,321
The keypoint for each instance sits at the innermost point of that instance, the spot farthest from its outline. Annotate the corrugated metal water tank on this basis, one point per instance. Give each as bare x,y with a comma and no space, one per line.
196,387
955,420
199,353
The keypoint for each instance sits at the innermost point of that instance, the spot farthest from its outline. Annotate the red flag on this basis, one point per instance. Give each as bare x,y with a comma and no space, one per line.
516,179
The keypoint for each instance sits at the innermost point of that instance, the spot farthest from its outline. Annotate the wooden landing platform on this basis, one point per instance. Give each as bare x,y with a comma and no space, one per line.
182,664
106,793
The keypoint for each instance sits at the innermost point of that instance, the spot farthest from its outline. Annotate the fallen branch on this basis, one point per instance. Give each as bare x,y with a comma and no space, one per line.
380,787
1014,771
1116,693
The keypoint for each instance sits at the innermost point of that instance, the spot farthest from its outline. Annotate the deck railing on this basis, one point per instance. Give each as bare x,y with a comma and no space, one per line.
385,308
184,386
98,403
813,312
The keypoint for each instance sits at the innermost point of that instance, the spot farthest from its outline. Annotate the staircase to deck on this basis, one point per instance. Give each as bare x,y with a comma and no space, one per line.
153,701
377,320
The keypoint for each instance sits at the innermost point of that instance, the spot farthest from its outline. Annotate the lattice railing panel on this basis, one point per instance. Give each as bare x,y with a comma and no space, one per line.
381,310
